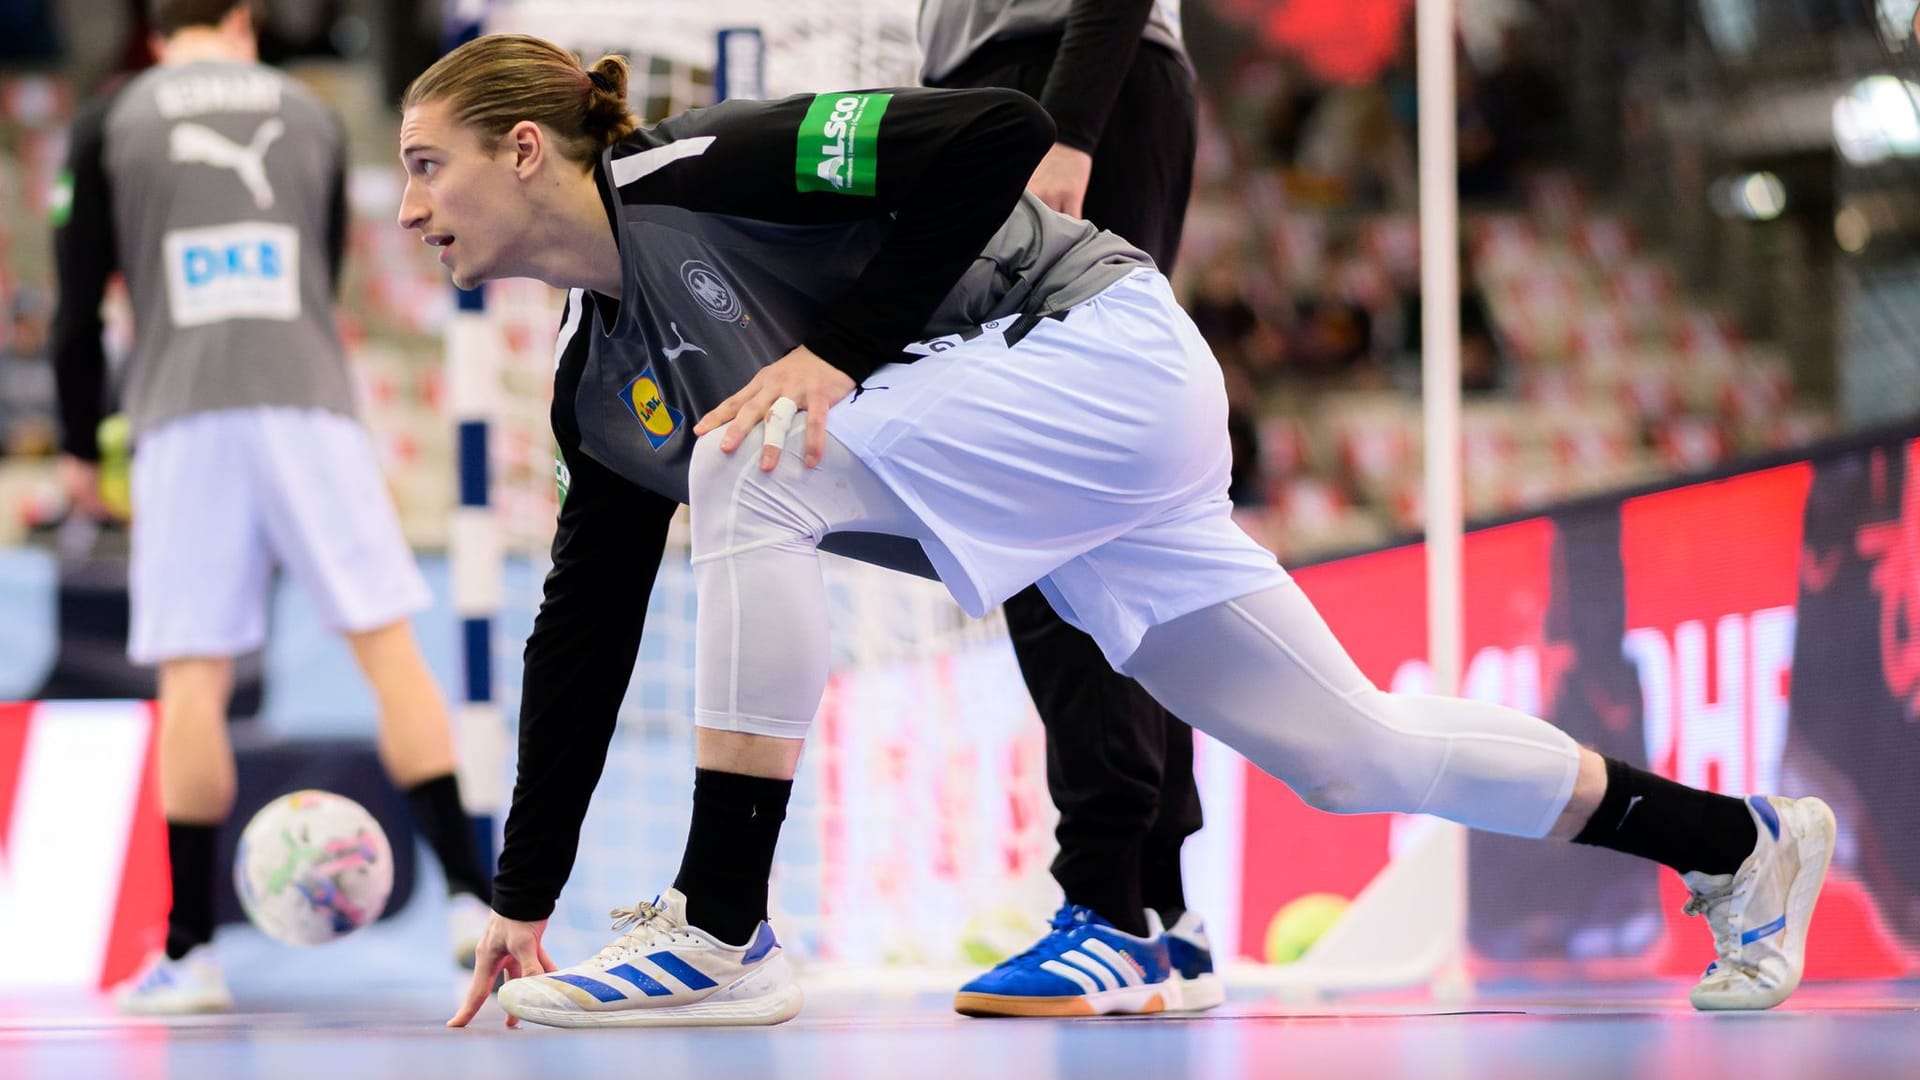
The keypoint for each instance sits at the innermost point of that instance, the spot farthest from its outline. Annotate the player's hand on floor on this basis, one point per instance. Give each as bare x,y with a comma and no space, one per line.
801,379
505,944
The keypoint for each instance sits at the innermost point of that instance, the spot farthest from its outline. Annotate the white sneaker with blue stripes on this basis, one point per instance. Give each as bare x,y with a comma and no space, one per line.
1759,914
192,984
662,972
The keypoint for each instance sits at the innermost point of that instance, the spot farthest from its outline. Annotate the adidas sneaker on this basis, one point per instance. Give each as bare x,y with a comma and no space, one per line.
1759,913
1084,966
1190,957
662,971
192,984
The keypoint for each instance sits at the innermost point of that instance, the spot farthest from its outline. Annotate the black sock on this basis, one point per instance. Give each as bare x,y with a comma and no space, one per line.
1685,828
1161,887
190,865
729,855
438,815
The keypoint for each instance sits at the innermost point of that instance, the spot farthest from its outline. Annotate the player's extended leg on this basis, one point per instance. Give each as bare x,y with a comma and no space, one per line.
1265,675
196,585
416,748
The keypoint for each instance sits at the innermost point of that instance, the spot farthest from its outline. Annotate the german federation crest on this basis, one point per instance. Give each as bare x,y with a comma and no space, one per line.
716,297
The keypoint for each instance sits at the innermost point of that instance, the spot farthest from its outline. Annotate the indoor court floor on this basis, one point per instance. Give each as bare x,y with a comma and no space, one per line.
1540,1034
372,1008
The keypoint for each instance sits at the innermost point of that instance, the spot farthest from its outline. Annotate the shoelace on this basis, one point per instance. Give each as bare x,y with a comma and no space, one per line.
645,923
1726,937
1063,922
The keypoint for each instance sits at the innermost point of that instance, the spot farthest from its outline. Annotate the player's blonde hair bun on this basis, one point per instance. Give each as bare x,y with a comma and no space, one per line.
494,82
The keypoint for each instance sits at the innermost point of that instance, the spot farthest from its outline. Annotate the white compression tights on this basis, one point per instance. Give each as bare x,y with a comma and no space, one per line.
1262,673
760,627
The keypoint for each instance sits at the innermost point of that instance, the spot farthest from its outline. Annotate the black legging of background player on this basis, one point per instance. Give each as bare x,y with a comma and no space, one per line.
1119,767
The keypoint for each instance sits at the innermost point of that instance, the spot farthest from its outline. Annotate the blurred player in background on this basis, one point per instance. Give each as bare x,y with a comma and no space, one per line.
216,185
1014,392
1115,78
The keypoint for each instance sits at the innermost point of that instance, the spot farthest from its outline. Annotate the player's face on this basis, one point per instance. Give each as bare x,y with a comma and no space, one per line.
462,200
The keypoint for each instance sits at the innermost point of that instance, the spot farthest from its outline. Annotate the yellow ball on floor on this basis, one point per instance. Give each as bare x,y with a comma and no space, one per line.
1297,925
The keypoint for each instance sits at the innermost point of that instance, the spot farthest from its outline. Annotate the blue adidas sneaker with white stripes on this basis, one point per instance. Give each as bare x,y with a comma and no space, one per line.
662,972
1190,955
1083,967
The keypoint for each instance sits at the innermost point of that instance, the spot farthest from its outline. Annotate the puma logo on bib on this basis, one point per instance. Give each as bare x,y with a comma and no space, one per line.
194,144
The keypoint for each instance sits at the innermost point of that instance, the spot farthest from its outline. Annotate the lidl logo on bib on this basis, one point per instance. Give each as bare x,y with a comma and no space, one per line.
248,270
658,420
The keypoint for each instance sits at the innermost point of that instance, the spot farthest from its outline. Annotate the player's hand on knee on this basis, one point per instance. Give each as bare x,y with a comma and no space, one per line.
509,945
801,379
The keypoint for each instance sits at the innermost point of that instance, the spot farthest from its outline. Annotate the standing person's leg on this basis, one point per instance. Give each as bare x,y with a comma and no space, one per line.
1142,177
1119,766
197,588
1106,737
1163,879
1120,772
416,748
1106,740
329,515
415,737
1123,814
197,787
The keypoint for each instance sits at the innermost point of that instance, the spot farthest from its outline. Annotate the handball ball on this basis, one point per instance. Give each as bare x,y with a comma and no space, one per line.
1300,923
312,867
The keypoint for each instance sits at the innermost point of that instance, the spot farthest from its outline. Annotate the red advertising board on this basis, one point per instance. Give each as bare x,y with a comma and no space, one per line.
1665,629
83,847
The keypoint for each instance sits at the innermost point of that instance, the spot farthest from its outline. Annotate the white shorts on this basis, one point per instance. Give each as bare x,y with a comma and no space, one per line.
1090,456
220,498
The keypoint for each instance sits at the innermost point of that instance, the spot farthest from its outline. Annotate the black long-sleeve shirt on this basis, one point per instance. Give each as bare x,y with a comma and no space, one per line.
86,255
1092,42
856,224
